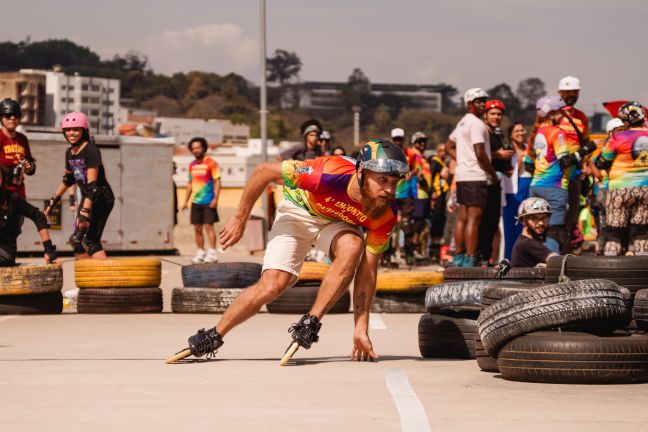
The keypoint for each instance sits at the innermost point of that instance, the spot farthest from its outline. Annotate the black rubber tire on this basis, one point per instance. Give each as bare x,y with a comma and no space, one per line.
462,295
31,304
203,300
299,299
119,300
640,309
485,362
521,274
403,302
627,271
221,275
496,293
594,302
442,336
575,358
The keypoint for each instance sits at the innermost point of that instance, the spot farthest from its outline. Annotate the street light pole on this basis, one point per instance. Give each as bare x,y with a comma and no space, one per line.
264,109
356,126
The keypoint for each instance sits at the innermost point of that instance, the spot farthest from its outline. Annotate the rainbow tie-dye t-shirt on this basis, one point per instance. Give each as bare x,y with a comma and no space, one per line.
571,137
321,187
202,175
628,151
549,146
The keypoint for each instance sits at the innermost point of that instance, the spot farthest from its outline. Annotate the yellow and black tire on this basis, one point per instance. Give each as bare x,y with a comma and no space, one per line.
118,273
312,272
31,279
407,281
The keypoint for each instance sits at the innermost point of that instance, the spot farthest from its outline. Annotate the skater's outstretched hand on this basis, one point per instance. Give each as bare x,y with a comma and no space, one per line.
362,347
232,231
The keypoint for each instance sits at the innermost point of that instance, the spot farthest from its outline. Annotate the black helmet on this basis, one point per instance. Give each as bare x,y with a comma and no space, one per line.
10,106
383,156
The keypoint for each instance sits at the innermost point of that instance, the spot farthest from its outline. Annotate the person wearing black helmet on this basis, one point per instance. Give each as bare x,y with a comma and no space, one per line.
13,209
327,202
15,154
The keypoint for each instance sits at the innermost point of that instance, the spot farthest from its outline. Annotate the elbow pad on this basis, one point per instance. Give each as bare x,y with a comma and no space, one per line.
529,166
68,179
93,191
602,163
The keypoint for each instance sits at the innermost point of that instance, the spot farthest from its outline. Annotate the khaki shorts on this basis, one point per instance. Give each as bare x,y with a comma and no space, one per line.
295,232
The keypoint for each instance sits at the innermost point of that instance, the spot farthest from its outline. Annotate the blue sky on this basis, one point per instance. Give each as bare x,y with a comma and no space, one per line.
462,42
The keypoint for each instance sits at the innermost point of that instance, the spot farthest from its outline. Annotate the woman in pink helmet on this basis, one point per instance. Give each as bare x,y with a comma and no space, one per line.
84,168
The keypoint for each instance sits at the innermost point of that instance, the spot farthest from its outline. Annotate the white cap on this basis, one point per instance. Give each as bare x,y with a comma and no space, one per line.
613,124
397,133
474,93
569,83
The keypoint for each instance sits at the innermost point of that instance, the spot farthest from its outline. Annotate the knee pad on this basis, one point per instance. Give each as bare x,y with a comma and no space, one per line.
92,246
616,234
76,240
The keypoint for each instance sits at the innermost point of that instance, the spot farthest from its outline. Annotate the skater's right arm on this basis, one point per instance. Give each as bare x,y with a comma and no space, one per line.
262,176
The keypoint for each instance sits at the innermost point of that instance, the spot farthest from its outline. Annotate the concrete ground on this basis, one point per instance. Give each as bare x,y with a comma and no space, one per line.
75,372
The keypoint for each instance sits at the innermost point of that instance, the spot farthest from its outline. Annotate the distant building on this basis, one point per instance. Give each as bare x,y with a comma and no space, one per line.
215,131
98,98
326,96
29,90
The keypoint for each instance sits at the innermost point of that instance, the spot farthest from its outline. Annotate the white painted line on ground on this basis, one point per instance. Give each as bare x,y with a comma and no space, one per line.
8,317
376,323
410,409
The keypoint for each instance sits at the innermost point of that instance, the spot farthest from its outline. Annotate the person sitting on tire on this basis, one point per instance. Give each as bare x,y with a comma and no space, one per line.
530,249
13,208
83,166
328,201
625,157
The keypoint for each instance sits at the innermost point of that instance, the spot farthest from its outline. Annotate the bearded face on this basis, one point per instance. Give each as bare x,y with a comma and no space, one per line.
378,192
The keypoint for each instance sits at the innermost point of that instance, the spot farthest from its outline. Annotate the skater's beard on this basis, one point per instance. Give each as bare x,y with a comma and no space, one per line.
374,206
537,235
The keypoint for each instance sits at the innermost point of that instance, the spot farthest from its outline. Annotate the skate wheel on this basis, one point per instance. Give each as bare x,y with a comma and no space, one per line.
291,350
179,356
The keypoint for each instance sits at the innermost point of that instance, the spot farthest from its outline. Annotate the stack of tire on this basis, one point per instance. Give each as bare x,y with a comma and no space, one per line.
449,328
31,289
403,291
299,298
575,331
115,286
211,288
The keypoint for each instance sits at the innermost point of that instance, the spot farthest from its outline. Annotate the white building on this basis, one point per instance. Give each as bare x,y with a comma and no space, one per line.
98,98
184,129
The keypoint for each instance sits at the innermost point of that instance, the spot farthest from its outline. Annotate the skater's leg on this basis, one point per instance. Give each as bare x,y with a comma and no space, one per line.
346,249
248,303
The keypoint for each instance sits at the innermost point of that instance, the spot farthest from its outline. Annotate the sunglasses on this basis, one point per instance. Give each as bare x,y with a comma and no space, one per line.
8,116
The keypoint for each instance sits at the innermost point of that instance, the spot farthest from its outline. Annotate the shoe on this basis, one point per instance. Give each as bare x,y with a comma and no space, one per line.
305,331
205,342
211,257
457,261
470,261
200,256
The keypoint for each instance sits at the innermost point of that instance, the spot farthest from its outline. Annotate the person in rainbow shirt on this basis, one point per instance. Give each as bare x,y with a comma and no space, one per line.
203,189
625,157
327,202
546,160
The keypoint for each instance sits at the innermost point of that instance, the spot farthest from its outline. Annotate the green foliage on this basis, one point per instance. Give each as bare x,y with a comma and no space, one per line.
283,66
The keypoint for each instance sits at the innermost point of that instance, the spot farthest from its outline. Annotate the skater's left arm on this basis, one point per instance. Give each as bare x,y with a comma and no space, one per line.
363,293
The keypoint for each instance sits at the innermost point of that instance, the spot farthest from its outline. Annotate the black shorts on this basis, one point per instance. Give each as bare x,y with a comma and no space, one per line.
202,214
472,193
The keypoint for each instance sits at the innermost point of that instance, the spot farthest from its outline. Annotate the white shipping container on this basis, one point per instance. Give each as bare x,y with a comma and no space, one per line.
140,172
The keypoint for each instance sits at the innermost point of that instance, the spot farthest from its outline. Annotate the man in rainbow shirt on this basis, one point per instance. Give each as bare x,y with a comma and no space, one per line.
203,189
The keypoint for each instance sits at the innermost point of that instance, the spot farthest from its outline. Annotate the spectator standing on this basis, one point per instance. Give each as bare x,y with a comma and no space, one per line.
469,144
439,174
203,189
515,188
310,148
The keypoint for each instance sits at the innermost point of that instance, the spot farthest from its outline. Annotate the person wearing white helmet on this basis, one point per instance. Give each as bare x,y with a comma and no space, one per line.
530,249
469,145
576,126
325,142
